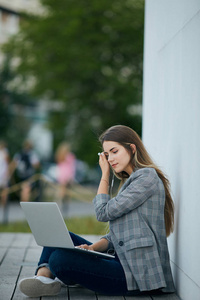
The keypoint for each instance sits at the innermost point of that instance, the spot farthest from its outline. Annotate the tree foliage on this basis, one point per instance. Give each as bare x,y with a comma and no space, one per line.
87,54
13,125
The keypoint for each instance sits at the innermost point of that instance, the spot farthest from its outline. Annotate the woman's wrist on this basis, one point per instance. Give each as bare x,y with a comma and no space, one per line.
106,180
103,185
105,176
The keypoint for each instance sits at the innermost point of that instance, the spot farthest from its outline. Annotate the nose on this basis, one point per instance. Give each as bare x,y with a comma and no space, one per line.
110,158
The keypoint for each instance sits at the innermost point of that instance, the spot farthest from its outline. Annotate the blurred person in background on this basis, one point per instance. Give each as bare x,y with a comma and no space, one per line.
4,176
66,168
25,164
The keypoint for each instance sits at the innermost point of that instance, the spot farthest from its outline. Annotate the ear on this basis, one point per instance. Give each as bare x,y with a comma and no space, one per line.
133,147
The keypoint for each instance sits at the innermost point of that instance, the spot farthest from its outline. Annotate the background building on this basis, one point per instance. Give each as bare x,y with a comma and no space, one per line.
171,124
10,16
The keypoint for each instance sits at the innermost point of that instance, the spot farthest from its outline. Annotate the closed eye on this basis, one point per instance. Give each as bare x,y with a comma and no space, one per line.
106,155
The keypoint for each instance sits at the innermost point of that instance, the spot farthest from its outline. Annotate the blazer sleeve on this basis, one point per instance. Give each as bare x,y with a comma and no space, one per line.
110,244
139,187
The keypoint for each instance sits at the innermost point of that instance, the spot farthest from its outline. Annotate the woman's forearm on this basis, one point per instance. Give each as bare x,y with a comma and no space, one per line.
103,185
101,245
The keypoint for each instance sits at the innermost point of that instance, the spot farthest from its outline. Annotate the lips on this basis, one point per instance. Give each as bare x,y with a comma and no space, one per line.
114,165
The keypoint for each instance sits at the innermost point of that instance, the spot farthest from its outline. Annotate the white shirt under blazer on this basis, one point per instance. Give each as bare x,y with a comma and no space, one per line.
137,230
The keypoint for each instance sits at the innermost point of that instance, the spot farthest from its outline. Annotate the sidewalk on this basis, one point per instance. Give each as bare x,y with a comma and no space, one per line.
19,255
73,209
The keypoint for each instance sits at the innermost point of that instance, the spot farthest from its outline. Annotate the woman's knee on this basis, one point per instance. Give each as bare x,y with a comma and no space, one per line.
59,261
61,264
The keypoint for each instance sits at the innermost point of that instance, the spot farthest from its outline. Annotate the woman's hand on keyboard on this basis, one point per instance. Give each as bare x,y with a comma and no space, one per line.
100,246
87,247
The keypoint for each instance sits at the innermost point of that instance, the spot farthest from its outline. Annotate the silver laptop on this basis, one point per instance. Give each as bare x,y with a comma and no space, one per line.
49,228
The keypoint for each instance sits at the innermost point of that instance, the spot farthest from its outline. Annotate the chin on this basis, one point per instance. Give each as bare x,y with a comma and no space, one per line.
118,171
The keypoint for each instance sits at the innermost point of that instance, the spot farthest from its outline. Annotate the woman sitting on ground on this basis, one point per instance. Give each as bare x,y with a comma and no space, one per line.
140,218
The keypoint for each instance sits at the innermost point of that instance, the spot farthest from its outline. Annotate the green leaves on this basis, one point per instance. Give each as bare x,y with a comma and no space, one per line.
87,54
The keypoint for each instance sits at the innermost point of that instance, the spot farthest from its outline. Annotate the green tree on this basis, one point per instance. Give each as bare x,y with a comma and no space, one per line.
13,122
89,55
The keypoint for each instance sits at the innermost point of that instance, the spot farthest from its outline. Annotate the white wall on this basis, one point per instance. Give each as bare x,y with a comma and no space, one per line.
171,124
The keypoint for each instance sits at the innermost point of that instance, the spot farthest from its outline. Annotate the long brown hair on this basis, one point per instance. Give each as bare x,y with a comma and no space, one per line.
140,159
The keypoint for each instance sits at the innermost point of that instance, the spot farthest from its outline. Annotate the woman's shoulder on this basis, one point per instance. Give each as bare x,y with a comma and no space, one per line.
144,171
144,174
142,177
147,175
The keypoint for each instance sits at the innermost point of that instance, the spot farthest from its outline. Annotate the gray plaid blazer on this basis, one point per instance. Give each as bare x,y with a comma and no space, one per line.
137,230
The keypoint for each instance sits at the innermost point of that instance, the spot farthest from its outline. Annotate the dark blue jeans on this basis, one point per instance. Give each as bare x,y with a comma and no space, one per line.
105,276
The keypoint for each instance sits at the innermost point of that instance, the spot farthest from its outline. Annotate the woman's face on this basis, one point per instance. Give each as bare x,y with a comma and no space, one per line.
118,157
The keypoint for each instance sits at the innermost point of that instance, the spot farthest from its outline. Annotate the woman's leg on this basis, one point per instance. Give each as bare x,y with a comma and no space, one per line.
98,274
43,284
43,264
101,275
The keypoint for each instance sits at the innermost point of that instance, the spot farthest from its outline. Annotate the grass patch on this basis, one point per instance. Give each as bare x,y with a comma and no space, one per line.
15,227
78,225
86,225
